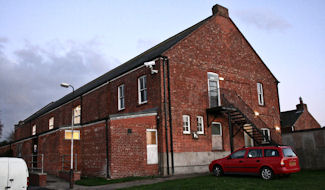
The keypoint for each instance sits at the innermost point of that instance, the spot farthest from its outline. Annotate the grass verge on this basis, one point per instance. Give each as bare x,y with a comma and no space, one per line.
306,180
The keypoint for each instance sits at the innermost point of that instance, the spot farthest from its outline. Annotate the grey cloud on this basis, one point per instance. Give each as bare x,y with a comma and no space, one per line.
31,79
265,20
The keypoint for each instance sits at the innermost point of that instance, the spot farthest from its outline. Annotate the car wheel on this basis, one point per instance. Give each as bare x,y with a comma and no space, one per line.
266,173
217,171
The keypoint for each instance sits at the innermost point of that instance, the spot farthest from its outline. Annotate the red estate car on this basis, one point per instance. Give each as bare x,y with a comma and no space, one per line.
264,161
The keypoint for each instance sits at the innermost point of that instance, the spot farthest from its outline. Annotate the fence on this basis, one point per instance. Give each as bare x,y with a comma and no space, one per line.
35,162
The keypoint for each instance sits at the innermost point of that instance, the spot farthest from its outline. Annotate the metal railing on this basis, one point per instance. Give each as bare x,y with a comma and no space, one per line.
34,161
65,162
230,99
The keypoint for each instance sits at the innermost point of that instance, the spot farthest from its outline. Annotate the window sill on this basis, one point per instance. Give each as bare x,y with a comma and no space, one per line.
142,103
119,110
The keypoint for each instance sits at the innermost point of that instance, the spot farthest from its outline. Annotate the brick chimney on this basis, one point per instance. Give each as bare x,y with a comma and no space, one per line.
301,106
220,10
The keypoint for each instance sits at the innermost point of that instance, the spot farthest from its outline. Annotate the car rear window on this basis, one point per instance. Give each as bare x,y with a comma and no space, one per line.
271,153
287,152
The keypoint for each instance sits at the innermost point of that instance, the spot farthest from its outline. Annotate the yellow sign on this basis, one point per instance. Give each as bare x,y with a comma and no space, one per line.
76,135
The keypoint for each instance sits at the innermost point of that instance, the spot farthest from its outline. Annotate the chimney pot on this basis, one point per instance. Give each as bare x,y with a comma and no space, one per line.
220,10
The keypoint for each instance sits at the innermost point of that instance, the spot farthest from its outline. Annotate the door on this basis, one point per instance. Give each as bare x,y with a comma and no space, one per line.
152,146
216,136
234,163
214,91
253,160
249,142
4,173
18,173
34,151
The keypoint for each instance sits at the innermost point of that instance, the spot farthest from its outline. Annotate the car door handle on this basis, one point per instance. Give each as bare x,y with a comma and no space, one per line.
257,160
240,161
11,179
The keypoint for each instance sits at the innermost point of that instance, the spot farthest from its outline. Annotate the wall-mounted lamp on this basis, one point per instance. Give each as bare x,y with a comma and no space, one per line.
256,113
221,78
277,128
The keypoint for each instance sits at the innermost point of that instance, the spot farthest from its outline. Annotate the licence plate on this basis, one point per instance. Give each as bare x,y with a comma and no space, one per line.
292,163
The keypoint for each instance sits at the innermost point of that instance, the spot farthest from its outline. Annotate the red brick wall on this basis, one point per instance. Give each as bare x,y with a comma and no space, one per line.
128,151
93,150
306,121
217,47
51,145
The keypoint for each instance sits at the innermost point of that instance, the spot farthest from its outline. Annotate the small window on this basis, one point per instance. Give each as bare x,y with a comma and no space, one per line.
266,133
271,153
51,123
34,130
121,100
238,154
254,153
200,125
216,128
260,94
76,115
142,89
186,124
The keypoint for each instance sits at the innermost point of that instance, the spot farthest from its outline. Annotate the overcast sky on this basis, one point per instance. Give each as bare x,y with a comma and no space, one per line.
44,43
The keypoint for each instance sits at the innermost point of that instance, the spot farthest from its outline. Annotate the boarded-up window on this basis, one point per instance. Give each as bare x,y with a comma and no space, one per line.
152,147
151,137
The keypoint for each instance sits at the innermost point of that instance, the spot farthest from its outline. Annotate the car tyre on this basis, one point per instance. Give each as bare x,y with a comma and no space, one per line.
217,171
266,173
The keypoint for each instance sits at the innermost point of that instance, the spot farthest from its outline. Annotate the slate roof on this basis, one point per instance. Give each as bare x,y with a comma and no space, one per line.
148,55
288,118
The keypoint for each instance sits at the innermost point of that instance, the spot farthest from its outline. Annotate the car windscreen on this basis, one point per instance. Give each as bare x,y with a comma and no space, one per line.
287,152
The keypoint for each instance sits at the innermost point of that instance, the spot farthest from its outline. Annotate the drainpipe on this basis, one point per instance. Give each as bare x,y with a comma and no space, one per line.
165,112
170,117
106,136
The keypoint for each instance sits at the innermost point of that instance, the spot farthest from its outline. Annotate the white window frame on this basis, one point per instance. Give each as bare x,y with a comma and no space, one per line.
215,78
121,97
144,89
220,128
51,123
188,127
200,124
260,94
76,117
34,130
268,133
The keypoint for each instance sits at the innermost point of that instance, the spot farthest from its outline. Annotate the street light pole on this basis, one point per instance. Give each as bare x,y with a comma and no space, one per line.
66,85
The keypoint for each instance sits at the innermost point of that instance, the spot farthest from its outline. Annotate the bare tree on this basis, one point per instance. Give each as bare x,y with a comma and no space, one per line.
11,136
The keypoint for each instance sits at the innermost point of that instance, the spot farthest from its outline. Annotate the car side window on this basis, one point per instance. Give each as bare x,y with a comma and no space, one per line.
271,153
254,153
238,154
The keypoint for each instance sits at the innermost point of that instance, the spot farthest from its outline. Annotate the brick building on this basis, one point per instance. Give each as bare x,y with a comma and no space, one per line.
298,119
193,98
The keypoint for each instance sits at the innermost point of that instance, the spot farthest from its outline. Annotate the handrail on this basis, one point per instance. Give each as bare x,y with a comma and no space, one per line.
67,160
30,159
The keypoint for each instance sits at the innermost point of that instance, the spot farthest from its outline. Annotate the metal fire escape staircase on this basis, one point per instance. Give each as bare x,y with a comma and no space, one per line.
240,117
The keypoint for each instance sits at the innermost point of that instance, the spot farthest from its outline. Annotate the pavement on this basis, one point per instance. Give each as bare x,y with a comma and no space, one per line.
55,183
